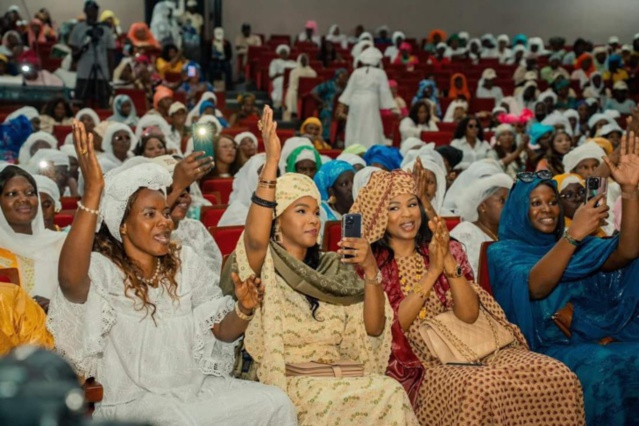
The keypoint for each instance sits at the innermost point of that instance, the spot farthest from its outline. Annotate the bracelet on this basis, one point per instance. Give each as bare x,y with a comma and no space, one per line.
630,196
374,281
422,292
262,202
570,239
266,184
86,209
241,315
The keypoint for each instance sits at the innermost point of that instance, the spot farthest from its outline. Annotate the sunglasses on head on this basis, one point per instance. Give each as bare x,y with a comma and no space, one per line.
528,177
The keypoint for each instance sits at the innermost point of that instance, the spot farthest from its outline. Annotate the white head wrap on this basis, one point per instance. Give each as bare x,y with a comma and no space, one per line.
195,112
123,182
475,171
409,144
478,191
365,36
426,152
24,155
609,128
558,119
583,152
282,48
107,140
612,113
150,120
457,103
28,111
42,245
91,113
241,136
371,56
46,185
398,34
358,49
49,155
570,179
69,150
351,159
597,118
175,107
440,177
504,37
361,179
290,145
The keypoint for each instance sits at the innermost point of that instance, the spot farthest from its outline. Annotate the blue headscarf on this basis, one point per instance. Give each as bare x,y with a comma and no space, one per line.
521,39
206,104
387,156
131,119
615,59
537,130
328,174
423,85
12,135
604,303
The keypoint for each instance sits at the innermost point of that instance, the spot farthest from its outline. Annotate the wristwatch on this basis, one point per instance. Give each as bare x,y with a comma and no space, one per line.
456,274
374,281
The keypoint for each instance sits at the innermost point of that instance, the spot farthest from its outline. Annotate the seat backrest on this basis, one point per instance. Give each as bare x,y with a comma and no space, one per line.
69,203
10,275
333,153
332,235
64,218
483,277
60,133
226,237
452,222
439,138
211,215
222,185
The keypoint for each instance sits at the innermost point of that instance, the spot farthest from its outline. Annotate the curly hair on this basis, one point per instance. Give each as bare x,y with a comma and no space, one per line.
113,249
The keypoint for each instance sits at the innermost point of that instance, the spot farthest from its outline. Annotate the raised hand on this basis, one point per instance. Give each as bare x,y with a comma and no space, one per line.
588,217
87,160
249,293
191,169
626,171
421,181
272,144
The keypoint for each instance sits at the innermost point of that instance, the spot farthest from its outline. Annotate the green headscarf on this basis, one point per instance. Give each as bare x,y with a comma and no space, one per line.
292,159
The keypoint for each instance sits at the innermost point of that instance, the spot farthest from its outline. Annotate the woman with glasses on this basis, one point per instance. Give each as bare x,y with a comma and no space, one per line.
469,138
558,285
117,142
572,194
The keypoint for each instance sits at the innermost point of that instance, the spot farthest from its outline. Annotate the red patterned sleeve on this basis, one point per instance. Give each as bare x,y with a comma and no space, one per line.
459,254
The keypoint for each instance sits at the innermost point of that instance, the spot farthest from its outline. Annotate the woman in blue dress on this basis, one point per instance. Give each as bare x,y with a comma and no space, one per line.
543,275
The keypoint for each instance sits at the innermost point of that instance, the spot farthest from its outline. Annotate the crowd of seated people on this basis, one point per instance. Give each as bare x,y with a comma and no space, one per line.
219,289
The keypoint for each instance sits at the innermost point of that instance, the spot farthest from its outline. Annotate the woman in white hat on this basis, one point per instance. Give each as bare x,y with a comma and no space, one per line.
276,71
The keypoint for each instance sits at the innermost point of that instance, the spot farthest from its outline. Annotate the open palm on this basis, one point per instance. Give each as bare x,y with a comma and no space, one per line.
626,172
272,144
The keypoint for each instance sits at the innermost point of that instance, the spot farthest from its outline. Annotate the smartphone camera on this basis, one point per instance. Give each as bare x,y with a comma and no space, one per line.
349,220
594,183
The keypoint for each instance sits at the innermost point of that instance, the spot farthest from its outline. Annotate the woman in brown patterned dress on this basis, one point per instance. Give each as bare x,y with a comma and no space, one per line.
424,275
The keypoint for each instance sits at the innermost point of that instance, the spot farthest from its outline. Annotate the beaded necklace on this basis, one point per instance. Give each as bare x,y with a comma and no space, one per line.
407,284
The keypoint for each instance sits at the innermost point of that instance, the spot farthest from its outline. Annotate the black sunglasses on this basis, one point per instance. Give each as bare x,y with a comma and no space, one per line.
528,177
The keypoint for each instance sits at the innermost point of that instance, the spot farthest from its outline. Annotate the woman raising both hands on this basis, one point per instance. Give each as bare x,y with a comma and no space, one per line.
144,316
556,285
316,307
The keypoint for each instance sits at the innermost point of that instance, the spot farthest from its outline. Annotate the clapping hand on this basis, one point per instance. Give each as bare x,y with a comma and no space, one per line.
626,171
421,181
249,293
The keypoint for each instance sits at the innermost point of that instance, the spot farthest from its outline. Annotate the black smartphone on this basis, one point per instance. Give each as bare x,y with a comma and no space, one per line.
351,228
594,186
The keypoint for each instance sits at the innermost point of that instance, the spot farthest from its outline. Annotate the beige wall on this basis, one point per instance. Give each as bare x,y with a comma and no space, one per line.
594,19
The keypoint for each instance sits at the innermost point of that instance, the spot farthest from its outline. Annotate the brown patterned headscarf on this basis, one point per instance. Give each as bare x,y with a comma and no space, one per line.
373,200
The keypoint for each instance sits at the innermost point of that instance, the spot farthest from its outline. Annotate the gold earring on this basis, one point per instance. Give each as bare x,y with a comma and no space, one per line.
277,235
332,199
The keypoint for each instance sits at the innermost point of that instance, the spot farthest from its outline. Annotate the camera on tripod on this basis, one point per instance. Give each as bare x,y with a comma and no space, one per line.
94,33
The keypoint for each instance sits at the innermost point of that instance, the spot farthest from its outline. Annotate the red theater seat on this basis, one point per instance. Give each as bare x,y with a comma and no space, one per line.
223,186
210,215
332,235
483,277
226,237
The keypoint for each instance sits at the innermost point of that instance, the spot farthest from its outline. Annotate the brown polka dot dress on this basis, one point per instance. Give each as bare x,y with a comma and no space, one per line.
515,387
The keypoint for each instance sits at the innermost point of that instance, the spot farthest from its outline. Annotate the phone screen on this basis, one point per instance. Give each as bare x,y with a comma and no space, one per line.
203,139
191,71
594,186
351,228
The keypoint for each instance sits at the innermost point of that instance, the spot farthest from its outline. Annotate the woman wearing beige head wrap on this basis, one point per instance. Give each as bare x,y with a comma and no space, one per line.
316,308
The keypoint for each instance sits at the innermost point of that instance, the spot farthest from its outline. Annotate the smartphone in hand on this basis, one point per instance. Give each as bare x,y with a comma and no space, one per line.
351,228
203,139
595,186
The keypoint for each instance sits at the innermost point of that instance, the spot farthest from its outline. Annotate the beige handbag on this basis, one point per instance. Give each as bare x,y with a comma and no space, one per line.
340,369
455,342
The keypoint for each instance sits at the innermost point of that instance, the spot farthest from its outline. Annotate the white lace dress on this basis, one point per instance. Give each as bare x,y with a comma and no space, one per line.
169,372
192,233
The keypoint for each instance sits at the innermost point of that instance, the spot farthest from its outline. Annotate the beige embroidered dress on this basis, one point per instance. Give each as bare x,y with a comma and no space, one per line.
284,331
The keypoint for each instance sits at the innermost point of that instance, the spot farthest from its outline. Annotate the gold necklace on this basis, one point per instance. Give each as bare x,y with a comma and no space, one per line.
487,231
407,285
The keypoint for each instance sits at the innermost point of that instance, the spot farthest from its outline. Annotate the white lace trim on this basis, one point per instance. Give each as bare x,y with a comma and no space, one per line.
221,363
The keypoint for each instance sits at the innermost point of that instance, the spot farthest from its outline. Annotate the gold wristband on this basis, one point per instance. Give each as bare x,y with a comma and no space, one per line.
241,315
629,196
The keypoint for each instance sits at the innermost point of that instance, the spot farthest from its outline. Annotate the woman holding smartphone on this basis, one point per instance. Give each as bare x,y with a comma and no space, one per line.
316,308
575,296
426,274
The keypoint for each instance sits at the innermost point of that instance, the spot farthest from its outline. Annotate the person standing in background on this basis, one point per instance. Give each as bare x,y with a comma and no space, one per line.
243,41
93,48
191,14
